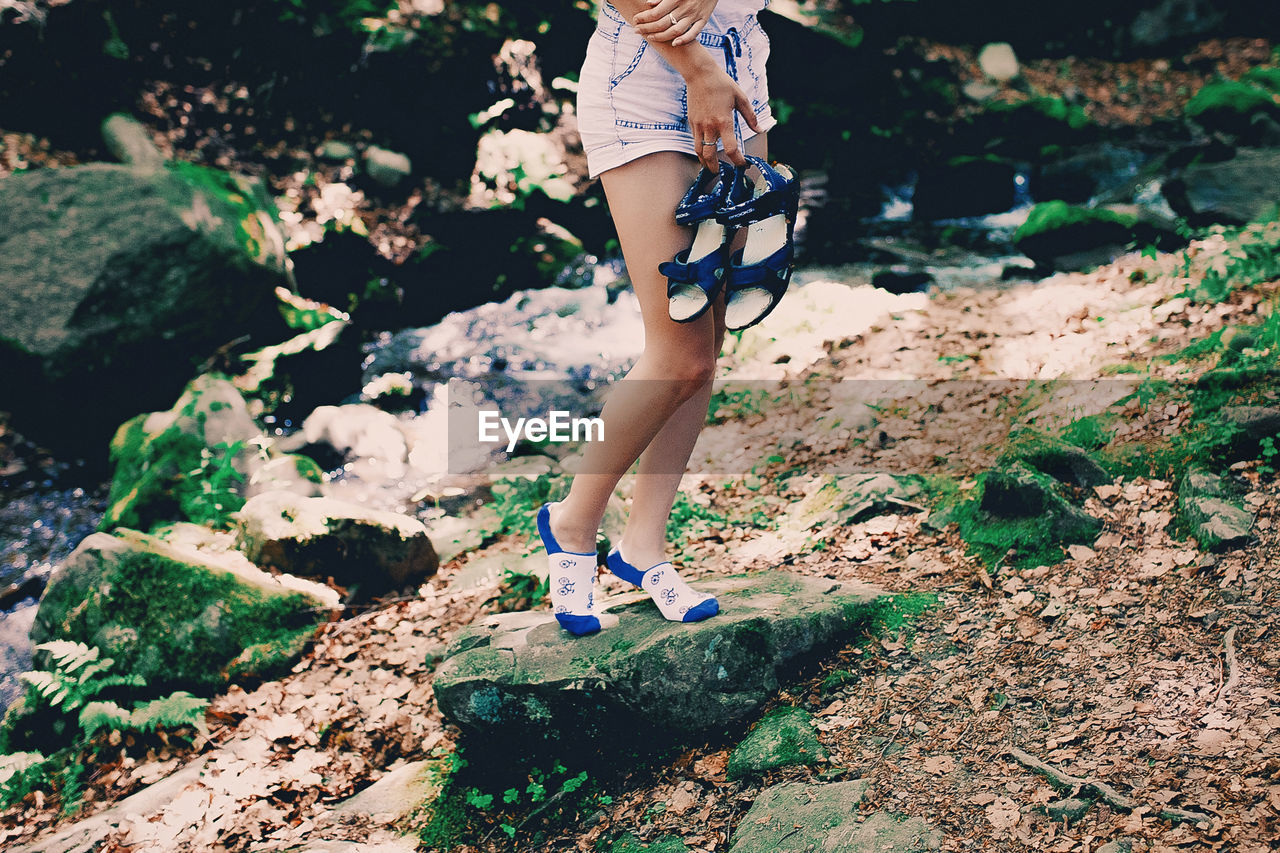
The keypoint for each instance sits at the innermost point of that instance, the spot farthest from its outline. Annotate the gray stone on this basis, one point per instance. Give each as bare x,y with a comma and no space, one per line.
798,818
398,793
783,738
1238,190
1122,845
1070,809
117,281
1015,491
1215,518
373,551
516,678
155,453
386,167
852,498
129,142
88,835
998,61
177,614
1253,425
1055,457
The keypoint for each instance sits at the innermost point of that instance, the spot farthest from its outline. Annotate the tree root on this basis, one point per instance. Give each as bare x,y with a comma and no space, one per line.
1105,792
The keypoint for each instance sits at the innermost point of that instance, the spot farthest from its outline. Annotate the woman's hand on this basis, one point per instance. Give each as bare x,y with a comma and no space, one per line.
676,21
713,99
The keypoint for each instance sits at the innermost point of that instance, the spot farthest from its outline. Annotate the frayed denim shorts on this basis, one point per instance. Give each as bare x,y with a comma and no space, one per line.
632,103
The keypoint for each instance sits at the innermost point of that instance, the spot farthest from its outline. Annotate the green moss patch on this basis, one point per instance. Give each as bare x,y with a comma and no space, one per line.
176,624
783,738
1229,105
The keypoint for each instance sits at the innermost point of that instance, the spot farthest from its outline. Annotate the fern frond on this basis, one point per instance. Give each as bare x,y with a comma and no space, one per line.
177,709
94,668
52,688
70,656
15,763
95,715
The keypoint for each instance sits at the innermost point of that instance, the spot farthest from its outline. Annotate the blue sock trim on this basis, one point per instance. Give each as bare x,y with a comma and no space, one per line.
579,625
623,569
705,610
548,541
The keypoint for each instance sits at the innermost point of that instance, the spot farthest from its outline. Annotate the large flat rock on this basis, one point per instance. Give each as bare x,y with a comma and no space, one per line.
517,676
795,817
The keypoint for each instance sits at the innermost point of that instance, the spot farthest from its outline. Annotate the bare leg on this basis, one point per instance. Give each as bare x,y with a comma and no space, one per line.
663,462
678,359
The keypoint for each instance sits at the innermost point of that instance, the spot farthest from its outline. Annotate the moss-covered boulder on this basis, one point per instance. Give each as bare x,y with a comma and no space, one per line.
1066,237
1213,512
119,281
795,817
1020,512
517,680
783,738
1230,106
1252,430
187,463
179,616
1235,191
1059,459
371,552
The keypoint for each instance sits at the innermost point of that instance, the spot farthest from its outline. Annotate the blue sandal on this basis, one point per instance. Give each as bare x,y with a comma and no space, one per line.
759,273
692,285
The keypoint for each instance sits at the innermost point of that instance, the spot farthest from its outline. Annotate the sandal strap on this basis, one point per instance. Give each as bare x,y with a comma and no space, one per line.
742,207
697,205
706,272
768,273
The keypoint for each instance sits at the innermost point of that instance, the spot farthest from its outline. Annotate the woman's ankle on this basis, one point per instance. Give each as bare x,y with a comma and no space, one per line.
642,555
572,537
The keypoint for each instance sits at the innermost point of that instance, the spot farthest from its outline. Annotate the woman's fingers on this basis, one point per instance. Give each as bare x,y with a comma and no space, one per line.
661,18
692,33
743,105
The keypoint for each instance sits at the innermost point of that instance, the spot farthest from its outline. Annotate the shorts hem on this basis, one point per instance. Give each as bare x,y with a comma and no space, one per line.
614,154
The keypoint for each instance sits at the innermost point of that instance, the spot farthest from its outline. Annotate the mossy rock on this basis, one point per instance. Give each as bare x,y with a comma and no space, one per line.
1053,456
1066,236
1212,512
1034,129
120,281
1264,78
1230,106
517,680
783,738
178,617
372,551
165,461
1015,508
795,817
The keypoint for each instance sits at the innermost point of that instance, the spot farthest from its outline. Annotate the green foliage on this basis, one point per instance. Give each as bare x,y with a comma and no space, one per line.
521,591
516,500
691,521
1092,432
1252,257
75,690
1057,215
1265,78
1054,109
209,494
728,403
1228,105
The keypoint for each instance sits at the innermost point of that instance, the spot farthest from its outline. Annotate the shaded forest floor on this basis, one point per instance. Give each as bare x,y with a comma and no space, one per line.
1112,664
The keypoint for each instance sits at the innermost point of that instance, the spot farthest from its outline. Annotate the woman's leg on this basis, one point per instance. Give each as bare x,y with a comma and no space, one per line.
663,462
678,359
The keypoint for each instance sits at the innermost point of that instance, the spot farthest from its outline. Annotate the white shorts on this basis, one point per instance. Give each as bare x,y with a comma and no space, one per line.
632,103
